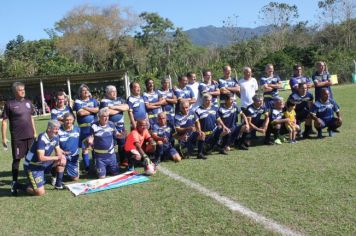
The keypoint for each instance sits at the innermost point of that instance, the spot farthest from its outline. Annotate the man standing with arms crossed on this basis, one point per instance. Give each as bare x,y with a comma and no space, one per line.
22,129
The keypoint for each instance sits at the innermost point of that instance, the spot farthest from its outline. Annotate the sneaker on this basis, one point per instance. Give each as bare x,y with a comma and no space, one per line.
294,141
59,187
227,148
53,181
278,141
201,156
13,188
242,147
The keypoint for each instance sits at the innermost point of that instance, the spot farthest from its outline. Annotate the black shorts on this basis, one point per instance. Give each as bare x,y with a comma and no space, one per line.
20,148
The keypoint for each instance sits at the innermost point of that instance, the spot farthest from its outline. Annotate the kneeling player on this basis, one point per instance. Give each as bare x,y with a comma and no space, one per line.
135,145
162,134
39,160
102,138
68,141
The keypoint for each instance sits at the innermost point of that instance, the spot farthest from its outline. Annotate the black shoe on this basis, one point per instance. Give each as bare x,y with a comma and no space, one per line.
243,147
268,142
13,188
201,156
223,151
59,187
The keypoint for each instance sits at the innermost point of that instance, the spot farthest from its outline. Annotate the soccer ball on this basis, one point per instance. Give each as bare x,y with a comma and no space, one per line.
150,169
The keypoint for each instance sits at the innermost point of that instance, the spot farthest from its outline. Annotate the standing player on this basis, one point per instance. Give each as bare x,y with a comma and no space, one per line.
299,78
169,100
162,133
227,85
137,107
208,86
193,85
69,143
116,107
228,113
208,120
322,113
86,108
248,88
184,93
61,108
321,79
22,129
39,160
270,83
153,102
102,139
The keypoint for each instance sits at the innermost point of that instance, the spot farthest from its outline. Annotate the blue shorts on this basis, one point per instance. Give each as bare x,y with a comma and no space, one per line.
330,123
36,176
72,166
106,164
168,152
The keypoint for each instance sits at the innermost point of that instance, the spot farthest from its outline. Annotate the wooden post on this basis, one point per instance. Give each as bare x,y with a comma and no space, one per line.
42,98
69,92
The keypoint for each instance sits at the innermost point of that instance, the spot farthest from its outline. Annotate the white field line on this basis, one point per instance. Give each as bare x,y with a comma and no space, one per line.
232,205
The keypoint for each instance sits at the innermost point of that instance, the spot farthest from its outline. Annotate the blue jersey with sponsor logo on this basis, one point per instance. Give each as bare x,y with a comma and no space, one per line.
138,107
104,137
325,111
276,115
301,102
207,118
227,83
323,77
185,121
84,122
229,115
118,118
164,131
69,140
256,113
169,108
294,81
45,144
185,92
152,98
206,88
270,80
57,113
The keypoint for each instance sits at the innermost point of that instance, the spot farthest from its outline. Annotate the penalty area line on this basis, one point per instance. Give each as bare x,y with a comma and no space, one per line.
233,205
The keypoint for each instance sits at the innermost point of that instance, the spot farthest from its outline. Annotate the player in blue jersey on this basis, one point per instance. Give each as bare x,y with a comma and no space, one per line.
321,79
303,101
102,139
257,117
276,122
86,108
183,92
69,142
61,108
323,111
153,102
169,100
270,83
137,107
298,78
162,133
208,86
228,113
186,124
227,84
116,106
39,159
208,126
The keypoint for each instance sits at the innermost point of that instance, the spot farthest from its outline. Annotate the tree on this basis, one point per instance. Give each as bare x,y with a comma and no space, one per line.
88,32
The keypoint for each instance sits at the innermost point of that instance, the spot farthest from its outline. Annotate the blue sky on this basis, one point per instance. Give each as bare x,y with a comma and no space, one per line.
30,17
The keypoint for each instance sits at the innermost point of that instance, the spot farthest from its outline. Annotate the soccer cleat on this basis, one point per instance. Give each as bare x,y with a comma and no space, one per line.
59,187
53,181
13,188
201,156
278,141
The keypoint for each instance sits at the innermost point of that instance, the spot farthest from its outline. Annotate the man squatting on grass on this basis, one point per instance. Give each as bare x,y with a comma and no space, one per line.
39,161
22,129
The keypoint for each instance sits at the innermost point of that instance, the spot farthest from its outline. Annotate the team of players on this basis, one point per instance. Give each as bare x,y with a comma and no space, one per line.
189,113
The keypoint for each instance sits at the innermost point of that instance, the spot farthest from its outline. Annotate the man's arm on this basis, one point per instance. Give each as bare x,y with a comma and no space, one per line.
132,119
34,127
3,132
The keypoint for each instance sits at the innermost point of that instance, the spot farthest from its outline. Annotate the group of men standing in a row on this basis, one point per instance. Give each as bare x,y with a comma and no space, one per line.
202,115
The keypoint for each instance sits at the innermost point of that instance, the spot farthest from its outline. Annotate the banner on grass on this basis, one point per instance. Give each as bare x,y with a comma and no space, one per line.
98,185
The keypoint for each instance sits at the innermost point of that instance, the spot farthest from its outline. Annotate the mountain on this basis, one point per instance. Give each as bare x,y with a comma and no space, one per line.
223,36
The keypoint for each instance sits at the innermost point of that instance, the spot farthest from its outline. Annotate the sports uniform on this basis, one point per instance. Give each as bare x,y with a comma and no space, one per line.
302,107
184,93
58,113
185,121
227,83
206,88
152,113
166,150
323,77
294,81
229,116
268,96
69,142
325,112
137,107
168,108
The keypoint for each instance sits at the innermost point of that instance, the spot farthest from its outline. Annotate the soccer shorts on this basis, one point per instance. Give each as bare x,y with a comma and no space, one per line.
104,165
72,166
36,176
20,148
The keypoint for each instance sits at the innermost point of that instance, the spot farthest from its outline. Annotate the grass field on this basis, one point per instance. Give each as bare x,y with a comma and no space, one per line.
309,187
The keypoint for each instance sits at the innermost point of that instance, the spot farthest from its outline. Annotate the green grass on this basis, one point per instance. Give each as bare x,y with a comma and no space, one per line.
309,187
